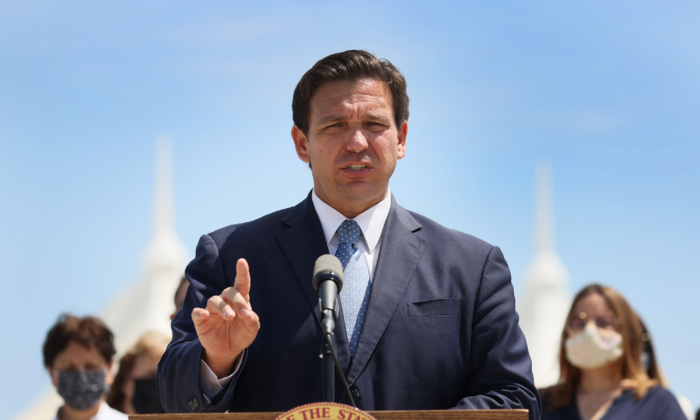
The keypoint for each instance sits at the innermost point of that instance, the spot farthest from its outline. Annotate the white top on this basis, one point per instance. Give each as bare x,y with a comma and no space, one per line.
371,222
105,413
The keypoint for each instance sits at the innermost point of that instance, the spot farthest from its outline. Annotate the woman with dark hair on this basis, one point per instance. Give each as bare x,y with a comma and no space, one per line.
603,374
134,388
78,355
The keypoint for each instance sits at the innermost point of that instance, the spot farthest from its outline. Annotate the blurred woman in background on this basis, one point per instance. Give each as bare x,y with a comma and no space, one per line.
603,371
134,387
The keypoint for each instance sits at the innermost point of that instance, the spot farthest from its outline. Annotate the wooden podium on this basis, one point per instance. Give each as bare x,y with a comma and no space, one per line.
379,415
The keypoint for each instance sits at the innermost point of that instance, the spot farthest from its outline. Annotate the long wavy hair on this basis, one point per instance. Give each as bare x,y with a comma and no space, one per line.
151,344
635,340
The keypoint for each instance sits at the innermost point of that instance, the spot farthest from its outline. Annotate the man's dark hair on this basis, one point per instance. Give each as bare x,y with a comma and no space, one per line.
87,332
349,65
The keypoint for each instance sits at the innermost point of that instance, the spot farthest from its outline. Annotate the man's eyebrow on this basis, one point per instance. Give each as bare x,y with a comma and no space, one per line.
379,117
330,118
336,117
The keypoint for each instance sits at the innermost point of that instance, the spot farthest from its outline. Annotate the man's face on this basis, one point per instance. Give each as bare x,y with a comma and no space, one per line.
352,143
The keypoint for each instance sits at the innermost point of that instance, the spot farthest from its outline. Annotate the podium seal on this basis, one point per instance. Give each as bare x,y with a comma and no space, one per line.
325,411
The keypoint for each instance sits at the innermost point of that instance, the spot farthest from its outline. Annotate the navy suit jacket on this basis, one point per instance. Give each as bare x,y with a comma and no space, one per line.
440,329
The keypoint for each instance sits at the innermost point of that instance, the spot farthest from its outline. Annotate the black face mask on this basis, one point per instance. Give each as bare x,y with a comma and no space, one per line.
145,399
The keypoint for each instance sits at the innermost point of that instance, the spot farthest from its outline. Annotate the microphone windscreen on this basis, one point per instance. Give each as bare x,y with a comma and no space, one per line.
328,263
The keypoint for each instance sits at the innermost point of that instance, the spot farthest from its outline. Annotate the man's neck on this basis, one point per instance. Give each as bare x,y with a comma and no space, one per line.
67,413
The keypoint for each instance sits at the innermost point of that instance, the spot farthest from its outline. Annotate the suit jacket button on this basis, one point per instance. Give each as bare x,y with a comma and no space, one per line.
194,404
355,393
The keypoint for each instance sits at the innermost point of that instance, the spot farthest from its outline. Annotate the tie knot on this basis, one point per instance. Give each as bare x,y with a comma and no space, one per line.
349,232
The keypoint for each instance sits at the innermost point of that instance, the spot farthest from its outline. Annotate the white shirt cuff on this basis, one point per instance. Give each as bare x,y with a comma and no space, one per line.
211,385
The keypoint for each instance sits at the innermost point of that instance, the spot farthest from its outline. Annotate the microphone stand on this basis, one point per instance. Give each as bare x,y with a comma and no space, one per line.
330,359
327,354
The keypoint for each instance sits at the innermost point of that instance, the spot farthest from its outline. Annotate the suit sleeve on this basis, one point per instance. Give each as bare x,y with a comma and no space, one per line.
500,370
179,370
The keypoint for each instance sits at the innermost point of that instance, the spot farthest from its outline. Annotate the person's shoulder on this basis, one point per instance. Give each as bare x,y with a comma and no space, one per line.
659,395
658,402
658,392
108,413
449,238
269,223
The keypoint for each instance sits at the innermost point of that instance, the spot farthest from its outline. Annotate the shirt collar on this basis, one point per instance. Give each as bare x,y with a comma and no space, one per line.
371,221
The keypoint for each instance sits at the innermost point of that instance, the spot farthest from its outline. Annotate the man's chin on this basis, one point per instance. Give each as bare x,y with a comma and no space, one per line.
354,194
364,193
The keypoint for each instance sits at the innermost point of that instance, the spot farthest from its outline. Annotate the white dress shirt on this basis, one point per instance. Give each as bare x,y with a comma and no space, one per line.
106,413
371,221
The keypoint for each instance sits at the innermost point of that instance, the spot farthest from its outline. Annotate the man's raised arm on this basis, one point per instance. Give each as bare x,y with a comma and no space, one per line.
215,326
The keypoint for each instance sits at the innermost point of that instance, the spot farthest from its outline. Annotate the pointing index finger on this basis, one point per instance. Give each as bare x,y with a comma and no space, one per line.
242,282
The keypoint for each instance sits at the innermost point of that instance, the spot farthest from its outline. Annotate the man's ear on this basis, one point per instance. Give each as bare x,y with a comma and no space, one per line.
402,134
301,143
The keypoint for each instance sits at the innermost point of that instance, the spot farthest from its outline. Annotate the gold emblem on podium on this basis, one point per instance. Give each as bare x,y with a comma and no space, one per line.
325,411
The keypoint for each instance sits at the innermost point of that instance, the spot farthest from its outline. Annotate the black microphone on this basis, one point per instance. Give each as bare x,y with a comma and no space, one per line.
328,282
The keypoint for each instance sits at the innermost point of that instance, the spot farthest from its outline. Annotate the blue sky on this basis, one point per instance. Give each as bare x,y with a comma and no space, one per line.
607,94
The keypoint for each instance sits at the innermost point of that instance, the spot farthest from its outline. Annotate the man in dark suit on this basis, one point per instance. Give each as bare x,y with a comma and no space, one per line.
428,315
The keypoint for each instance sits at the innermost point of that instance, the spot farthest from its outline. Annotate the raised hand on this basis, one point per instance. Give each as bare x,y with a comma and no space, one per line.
228,325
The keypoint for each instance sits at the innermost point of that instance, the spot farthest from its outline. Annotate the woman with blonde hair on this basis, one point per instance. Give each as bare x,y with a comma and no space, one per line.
602,362
134,387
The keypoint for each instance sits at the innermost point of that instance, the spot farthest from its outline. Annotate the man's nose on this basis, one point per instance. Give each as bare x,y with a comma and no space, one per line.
357,141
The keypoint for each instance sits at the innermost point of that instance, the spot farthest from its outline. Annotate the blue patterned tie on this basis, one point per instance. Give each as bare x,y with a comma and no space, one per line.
355,293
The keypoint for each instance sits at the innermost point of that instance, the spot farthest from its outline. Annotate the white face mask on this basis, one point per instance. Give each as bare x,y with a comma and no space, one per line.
591,350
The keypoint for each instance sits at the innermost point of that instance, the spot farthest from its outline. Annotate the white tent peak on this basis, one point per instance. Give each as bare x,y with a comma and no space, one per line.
546,270
545,302
544,231
165,250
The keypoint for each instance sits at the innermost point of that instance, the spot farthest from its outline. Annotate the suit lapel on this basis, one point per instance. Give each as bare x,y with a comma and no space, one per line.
399,252
302,243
